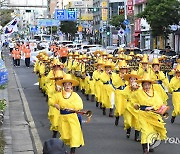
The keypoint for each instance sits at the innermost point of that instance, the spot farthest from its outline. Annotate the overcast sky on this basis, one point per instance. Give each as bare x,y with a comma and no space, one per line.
28,2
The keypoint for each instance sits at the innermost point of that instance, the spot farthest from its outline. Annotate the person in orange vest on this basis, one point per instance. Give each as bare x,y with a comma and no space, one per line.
13,55
17,57
27,54
63,53
23,47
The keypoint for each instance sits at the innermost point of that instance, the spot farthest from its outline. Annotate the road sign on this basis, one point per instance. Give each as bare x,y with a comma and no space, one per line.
60,14
104,14
48,22
101,29
71,15
60,33
126,22
34,29
65,15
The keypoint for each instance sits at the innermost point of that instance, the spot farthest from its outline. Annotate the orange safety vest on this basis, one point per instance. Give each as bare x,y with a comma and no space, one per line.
13,53
27,53
17,54
23,48
63,52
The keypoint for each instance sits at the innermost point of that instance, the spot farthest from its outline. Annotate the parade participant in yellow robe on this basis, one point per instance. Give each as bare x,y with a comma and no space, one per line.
54,89
82,66
131,117
119,58
89,80
107,88
37,65
144,66
174,87
74,64
147,101
42,68
119,82
56,66
76,68
36,68
160,78
69,62
97,54
69,124
98,84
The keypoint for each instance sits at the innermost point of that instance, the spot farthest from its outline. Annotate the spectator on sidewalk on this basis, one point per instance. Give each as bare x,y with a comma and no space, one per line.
27,54
17,57
13,56
11,46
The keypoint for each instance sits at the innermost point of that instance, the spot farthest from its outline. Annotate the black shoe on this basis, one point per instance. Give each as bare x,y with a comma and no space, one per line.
83,91
173,119
145,151
100,105
87,97
151,150
104,111
128,132
111,113
127,135
116,121
72,151
97,104
136,138
47,98
92,98
54,134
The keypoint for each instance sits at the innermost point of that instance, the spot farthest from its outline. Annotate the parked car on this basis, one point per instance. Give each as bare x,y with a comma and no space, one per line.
128,50
72,47
93,49
110,49
34,54
85,48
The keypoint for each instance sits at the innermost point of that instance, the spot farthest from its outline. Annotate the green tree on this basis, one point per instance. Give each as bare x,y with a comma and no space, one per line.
160,14
5,17
117,21
68,27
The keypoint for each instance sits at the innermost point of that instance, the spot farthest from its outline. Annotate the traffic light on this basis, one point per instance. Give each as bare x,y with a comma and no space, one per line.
108,30
120,10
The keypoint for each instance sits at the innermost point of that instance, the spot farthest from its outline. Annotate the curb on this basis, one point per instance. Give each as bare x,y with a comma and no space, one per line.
6,125
33,131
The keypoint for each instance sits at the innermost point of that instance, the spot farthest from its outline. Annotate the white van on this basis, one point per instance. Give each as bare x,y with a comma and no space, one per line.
42,37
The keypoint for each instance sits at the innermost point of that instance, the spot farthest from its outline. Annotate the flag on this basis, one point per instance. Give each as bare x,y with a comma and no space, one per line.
11,26
121,32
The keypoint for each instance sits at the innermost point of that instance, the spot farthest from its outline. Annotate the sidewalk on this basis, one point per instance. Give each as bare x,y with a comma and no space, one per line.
18,123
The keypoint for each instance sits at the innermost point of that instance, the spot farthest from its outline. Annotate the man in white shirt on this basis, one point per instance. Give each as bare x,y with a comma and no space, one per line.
11,46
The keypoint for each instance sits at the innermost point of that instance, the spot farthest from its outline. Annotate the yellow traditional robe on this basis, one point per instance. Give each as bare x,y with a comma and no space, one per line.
120,100
97,85
131,117
174,87
53,113
69,126
150,122
107,90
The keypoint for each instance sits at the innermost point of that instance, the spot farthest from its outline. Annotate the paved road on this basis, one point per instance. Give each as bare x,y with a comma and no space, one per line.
101,136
